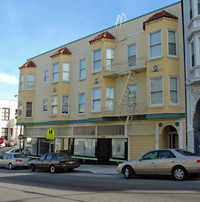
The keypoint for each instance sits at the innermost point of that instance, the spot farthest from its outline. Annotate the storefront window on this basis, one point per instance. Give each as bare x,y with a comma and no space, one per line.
85,147
118,148
43,146
34,146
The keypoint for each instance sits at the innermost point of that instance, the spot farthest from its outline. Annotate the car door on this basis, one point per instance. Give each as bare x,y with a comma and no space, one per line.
47,161
41,161
165,162
146,164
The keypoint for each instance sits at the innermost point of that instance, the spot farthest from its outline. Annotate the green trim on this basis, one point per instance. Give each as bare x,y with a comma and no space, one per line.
85,158
117,160
167,115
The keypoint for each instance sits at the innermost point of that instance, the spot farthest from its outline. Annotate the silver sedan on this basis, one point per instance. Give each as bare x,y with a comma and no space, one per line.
175,162
14,160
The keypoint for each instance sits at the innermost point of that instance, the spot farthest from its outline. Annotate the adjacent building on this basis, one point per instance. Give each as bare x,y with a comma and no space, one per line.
8,111
110,96
191,12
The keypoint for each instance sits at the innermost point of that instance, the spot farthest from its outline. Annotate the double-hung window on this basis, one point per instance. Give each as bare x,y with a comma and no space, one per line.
96,99
30,82
173,90
156,91
192,54
132,97
45,105
81,103
29,109
110,59
97,60
65,105
172,43
5,116
55,75
19,110
54,105
82,73
155,44
110,99
46,76
21,84
66,71
132,55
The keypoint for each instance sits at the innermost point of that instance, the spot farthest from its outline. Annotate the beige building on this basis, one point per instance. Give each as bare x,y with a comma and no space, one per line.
110,96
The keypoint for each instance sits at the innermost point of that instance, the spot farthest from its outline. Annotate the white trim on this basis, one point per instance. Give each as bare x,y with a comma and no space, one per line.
177,81
46,77
79,113
51,105
63,114
21,89
31,110
92,100
43,105
54,73
172,56
80,79
133,44
68,80
94,72
29,74
112,68
113,99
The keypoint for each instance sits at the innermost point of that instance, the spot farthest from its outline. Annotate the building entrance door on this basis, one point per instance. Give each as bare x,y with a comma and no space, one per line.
104,150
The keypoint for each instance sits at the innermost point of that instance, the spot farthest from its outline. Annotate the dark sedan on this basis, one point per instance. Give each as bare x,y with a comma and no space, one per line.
54,162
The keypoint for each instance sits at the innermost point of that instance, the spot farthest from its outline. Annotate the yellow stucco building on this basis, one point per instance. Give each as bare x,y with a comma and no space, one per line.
110,96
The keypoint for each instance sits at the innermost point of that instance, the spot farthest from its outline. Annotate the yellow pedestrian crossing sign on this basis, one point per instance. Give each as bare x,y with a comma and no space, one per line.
50,134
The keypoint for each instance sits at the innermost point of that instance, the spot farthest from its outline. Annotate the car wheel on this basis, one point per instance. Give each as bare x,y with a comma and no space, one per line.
10,166
70,170
32,168
179,173
128,172
52,169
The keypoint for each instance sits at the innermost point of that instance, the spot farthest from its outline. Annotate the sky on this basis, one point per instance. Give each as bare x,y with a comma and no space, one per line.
31,27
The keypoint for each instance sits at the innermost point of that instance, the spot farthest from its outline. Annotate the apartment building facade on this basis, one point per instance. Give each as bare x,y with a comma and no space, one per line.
8,112
191,13
110,96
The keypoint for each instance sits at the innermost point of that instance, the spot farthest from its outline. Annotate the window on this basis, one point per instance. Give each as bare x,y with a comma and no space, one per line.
192,53
45,105
65,71
4,133
132,97
198,7
155,43
30,82
5,114
110,99
172,44
191,14
21,84
82,73
28,109
96,60
65,105
55,72
132,55
19,110
156,92
46,76
54,105
81,103
96,100
110,59
173,90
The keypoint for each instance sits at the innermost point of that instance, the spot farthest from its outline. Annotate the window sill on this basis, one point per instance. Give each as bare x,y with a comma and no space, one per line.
157,58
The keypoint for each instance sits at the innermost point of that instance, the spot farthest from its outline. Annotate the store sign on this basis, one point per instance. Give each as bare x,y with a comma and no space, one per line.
50,134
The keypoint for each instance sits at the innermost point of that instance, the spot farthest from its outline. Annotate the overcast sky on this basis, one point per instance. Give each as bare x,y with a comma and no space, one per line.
31,27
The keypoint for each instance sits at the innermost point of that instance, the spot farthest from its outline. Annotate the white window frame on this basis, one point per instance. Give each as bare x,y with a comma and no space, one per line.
67,72
110,99
27,117
94,61
46,76
45,105
96,100
162,92
110,62
150,46
55,105
128,49
177,84
21,84
129,98
81,105
65,114
82,69
19,110
55,73
175,31
30,83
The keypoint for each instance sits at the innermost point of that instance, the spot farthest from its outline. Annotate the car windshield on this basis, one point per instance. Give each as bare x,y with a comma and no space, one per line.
19,156
62,156
185,153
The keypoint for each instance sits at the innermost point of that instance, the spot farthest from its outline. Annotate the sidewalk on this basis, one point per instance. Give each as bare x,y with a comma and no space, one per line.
98,169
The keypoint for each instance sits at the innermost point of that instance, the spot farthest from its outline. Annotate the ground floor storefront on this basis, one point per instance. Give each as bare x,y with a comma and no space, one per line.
107,143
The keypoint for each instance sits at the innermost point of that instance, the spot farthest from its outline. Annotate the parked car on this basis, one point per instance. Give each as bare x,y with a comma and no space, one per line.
19,150
10,143
54,162
14,160
175,162
2,145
